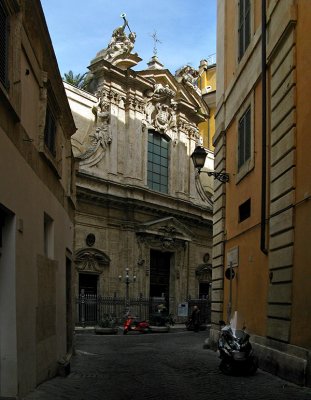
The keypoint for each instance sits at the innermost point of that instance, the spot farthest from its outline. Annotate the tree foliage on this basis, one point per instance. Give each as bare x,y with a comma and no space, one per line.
78,80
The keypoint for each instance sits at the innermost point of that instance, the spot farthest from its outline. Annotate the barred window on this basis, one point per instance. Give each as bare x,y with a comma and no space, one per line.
4,37
157,162
50,131
244,139
244,26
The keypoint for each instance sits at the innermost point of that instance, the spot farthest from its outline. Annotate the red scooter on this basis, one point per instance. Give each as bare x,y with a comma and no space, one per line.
132,324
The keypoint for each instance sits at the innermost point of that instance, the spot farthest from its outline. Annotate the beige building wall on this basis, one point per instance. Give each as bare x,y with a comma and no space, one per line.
36,208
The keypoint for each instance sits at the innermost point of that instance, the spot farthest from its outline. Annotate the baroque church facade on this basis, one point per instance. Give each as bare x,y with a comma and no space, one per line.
141,206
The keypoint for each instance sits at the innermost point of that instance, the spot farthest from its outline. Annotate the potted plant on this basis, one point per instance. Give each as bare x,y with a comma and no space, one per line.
107,325
160,320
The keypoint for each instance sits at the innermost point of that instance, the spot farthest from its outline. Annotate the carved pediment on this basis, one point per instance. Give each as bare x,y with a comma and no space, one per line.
91,260
169,228
172,102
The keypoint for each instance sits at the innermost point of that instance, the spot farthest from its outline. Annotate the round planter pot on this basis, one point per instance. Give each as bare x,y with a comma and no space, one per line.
105,331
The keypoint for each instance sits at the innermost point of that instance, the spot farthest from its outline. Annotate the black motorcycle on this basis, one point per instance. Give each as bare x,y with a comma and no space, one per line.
236,353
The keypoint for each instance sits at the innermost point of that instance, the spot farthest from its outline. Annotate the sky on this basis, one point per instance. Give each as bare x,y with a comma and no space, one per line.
79,29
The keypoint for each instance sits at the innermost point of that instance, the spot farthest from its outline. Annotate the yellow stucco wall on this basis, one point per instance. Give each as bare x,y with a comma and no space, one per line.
238,192
251,282
231,49
250,285
246,235
207,128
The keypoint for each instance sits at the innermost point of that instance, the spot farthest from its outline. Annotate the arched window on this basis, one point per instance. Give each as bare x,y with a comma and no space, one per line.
157,178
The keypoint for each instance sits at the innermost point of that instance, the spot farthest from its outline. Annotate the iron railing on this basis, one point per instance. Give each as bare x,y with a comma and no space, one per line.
91,309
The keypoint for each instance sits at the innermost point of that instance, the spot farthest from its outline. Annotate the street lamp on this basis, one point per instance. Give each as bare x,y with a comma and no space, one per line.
127,280
198,157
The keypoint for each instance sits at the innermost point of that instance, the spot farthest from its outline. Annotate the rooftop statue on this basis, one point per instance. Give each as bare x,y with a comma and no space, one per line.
120,44
188,76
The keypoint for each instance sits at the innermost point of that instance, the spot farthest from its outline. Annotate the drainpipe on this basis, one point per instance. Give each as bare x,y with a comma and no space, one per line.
264,129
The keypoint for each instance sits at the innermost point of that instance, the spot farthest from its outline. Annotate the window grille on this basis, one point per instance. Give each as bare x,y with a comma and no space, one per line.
244,26
157,162
244,149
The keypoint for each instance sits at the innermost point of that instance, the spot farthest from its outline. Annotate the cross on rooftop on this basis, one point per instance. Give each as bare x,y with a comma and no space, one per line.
155,41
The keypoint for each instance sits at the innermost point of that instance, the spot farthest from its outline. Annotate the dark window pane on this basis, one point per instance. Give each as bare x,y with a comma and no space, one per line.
156,159
164,161
3,44
156,169
50,131
156,140
244,138
164,152
245,210
241,144
150,166
164,143
248,134
247,35
157,162
157,149
164,171
244,29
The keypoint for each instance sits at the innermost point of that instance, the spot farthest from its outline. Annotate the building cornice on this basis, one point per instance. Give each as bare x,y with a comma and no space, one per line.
122,195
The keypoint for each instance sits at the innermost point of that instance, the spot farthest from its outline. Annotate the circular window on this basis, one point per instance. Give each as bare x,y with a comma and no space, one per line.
90,239
206,257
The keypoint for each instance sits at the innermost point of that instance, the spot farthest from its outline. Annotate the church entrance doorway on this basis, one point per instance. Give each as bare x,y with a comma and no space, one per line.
88,284
160,265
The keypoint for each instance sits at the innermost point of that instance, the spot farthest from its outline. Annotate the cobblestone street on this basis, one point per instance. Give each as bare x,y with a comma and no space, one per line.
157,367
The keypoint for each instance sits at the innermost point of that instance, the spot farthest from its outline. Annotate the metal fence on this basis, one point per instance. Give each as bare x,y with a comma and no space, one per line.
92,309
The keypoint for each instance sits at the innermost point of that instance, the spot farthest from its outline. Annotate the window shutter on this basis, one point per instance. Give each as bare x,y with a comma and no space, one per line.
244,31
247,134
247,28
241,28
241,143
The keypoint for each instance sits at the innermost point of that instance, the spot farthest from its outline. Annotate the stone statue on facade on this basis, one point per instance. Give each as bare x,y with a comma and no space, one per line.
120,43
188,76
100,136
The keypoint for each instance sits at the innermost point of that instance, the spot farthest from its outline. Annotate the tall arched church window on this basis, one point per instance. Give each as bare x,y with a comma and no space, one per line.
157,177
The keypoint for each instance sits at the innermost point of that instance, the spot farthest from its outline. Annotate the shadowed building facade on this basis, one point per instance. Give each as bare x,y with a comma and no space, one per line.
37,195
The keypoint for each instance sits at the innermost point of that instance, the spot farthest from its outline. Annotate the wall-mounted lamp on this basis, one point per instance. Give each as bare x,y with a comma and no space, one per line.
198,157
